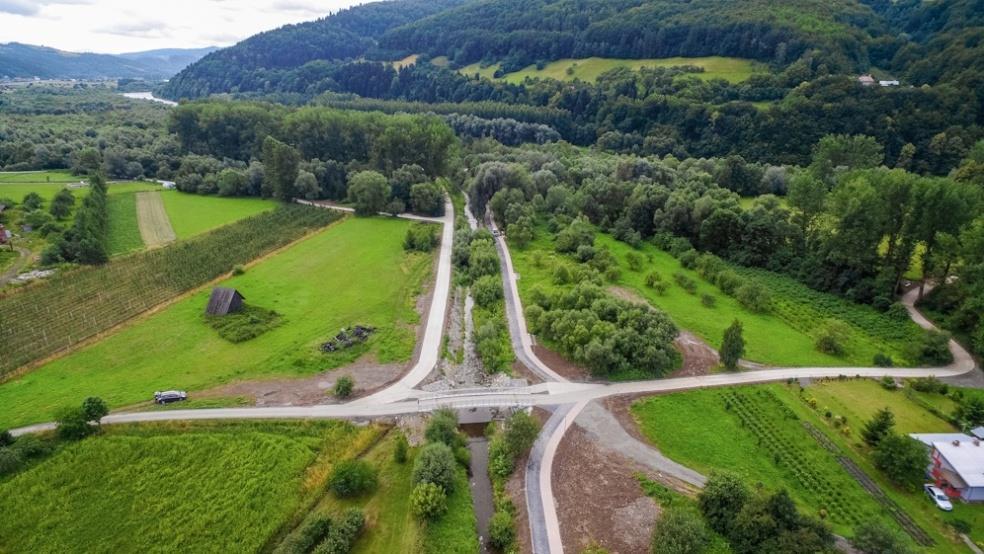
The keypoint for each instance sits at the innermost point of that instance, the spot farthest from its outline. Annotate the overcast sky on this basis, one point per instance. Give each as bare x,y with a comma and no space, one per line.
116,26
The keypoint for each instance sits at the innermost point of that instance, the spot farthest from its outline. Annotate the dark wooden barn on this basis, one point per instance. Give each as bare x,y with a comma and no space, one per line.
224,301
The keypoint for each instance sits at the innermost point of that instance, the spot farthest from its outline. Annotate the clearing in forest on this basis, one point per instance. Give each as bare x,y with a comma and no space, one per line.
155,226
355,272
202,487
734,70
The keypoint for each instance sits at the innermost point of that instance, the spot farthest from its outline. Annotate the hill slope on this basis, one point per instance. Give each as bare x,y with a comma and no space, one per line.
254,62
24,60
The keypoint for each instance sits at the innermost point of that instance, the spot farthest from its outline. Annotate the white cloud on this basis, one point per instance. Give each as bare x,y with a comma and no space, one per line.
116,26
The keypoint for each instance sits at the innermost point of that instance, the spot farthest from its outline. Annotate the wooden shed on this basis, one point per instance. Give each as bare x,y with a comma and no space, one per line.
224,301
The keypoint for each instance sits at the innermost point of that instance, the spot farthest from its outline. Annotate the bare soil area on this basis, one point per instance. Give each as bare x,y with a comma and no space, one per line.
564,367
599,499
698,356
369,376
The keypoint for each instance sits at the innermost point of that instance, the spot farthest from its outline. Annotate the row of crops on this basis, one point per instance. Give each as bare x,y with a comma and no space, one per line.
46,318
807,310
766,417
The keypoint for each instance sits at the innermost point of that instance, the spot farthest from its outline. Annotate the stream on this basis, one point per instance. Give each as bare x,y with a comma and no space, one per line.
481,485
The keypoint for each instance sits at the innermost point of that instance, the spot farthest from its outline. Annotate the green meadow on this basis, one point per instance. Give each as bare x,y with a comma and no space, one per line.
781,337
194,214
354,272
734,70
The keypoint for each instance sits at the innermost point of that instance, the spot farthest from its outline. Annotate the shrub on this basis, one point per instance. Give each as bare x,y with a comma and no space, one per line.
6,439
585,253
832,338
239,269
501,462
303,539
520,432
561,275
72,424
660,287
688,259
652,278
487,290
421,237
888,383
754,297
502,530
428,501
680,532
342,533
30,446
959,525
721,501
463,456
728,281
930,385
10,461
634,261
707,300
881,360
435,464
686,283
443,427
351,478
344,386
935,349
400,449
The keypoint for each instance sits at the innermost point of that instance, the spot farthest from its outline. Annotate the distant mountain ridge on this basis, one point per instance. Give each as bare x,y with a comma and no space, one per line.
26,61
921,42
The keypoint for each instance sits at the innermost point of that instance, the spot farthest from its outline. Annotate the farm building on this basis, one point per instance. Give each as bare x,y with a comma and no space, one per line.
956,464
224,301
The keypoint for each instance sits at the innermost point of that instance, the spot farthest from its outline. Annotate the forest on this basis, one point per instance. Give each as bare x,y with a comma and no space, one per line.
814,52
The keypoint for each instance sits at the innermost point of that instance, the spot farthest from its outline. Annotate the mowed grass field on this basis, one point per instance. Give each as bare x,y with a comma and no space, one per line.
701,430
355,272
782,337
194,214
171,488
391,527
47,191
734,70
124,228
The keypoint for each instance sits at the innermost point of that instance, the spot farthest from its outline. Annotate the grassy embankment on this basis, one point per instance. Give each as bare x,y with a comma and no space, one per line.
782,337
734,70
199,487
355,272
700,430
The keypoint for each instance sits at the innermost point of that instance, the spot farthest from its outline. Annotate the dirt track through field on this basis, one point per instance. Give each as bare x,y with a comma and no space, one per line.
155,226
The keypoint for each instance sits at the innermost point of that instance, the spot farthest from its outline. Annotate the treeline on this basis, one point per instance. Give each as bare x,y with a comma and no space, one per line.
373,159
86,241
658,111
848,227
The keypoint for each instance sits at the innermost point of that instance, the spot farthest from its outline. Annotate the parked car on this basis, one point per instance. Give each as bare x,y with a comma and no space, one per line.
941,500
170,396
